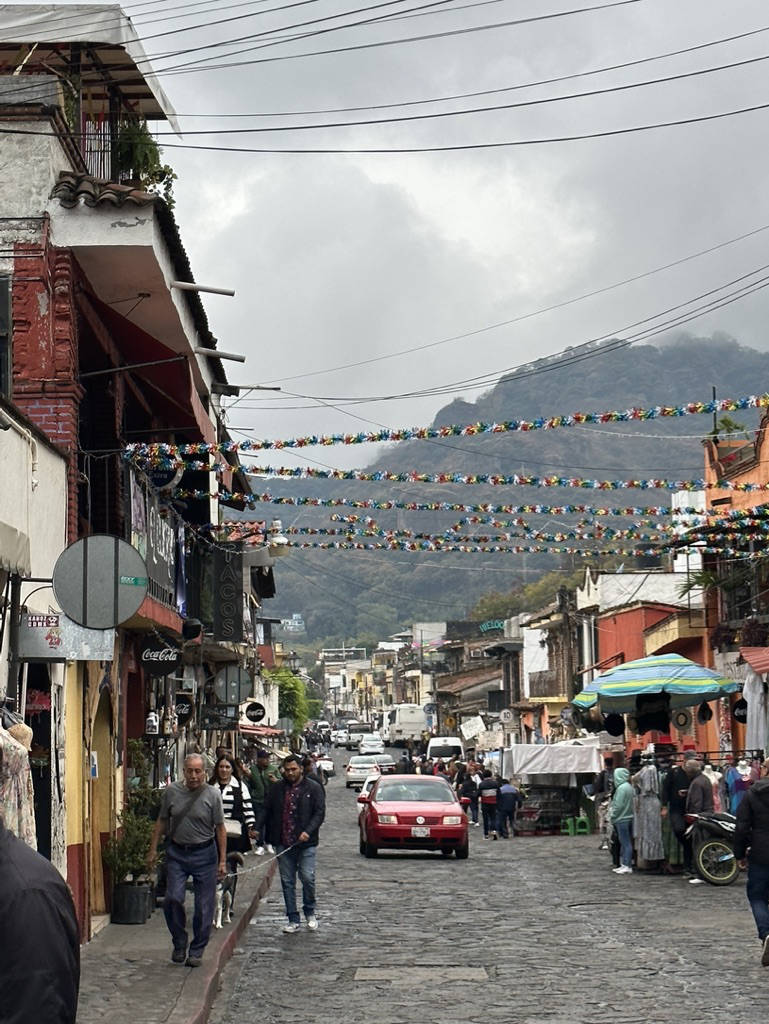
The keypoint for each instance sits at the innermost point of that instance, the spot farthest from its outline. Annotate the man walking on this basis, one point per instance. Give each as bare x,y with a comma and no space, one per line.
262,777
39,938
487,794
294,811
751,838
192,819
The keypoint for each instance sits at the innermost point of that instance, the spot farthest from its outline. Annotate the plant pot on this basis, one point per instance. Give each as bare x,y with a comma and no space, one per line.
130,903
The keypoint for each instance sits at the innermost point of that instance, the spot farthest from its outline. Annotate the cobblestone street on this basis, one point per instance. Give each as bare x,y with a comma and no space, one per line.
528,930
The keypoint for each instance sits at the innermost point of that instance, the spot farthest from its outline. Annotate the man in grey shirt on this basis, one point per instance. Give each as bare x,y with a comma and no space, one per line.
192,818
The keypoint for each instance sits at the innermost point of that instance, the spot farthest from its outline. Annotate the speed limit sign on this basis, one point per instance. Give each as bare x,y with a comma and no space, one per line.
506,716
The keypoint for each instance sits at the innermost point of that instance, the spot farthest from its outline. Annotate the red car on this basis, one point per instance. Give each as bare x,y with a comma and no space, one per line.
412,812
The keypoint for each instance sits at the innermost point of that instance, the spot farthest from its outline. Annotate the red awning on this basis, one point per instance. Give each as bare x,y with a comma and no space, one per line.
171,383
757,658
260,730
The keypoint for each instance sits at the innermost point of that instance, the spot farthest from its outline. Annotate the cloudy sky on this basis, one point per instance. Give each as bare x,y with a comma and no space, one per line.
341,259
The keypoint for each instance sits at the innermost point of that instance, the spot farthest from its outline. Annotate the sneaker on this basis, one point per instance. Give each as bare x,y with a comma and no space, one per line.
179,956
622,870
476,824
193,961
291,927
269,848
696,881
312,923
259,851
604,846
485,837
494,835
765,954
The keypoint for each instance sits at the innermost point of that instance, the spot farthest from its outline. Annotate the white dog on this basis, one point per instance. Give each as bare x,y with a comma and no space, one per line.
225,890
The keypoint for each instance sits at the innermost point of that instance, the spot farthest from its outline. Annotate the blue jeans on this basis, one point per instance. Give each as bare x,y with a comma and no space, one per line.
489,813
505,818
297,860
202,866
472,809
624,832
758,896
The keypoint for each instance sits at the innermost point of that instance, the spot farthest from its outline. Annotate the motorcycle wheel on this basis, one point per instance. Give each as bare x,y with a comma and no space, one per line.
716,863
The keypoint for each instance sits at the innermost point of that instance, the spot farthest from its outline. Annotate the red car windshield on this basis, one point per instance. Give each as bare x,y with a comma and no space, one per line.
418,791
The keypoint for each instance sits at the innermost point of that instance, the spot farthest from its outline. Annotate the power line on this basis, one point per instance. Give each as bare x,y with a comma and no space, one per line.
527,316
437,115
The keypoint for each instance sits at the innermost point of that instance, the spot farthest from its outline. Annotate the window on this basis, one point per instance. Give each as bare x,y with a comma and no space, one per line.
6,361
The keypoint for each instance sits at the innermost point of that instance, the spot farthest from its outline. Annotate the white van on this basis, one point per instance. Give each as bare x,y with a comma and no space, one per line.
445,747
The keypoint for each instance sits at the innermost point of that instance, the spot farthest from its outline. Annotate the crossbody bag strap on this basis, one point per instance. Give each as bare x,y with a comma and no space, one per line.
178,819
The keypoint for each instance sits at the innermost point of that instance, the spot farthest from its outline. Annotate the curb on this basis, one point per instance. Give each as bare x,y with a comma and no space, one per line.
201,988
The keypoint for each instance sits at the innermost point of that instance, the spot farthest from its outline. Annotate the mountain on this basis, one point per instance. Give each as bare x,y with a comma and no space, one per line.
345,595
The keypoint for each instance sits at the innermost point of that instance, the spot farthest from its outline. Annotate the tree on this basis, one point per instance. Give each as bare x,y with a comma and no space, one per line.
292,696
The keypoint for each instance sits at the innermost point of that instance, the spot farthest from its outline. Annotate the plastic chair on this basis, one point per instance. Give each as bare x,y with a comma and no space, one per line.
567,827
581,826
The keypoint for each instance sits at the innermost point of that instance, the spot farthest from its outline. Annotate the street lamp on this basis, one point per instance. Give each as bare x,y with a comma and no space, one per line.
292,660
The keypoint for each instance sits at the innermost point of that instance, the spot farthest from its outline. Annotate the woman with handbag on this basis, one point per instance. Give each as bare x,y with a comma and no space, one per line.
239,820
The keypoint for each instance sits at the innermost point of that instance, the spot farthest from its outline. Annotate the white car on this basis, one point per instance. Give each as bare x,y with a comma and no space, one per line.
359,769
339,737
326,765
366,787
371,744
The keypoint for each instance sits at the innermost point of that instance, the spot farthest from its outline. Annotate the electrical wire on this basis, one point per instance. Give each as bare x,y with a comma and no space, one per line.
525,316
596,347
490,92
494,108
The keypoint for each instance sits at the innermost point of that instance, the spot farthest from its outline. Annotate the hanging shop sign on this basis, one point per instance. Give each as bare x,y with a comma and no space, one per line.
740,711
219,718
228,595
255,711
56,637
159,657
185,708
233,685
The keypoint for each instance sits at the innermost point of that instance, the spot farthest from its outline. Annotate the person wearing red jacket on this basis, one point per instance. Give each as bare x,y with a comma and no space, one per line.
487,794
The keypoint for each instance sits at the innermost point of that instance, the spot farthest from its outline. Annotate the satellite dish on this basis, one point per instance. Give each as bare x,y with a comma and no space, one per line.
100,581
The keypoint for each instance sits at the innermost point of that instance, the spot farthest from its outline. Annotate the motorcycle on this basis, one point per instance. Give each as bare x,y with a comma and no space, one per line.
712,838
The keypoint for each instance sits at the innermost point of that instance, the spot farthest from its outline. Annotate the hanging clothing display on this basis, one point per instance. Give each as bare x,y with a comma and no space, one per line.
17,797
738,780
754,692
716,781
647,825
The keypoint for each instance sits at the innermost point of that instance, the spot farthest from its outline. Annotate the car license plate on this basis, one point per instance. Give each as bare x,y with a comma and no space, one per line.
420,832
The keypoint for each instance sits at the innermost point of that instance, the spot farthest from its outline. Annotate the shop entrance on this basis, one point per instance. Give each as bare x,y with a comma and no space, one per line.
100,781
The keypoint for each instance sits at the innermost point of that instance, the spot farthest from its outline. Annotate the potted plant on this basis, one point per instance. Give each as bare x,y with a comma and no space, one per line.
125,854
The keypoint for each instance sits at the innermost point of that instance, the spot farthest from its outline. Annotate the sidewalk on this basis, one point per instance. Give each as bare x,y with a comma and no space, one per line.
126,974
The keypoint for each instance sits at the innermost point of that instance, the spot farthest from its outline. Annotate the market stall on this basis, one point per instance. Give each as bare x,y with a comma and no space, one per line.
552,776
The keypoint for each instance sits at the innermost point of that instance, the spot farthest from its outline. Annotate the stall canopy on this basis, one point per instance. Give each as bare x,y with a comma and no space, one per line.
551,759
685,682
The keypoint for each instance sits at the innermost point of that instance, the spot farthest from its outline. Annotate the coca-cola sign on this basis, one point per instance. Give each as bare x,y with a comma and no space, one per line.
160,657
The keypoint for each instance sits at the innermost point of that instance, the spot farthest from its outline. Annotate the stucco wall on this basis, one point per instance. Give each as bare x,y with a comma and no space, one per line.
29,167
614,590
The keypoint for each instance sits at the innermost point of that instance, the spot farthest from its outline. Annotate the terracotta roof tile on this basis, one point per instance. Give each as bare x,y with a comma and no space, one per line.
73,188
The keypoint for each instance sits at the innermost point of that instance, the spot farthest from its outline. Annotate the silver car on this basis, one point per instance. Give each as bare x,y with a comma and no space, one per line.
358,770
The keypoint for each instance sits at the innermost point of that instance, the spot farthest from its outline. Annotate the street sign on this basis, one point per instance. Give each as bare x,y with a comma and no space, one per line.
255,712
100,581
429,709
506,715
185,706
232,685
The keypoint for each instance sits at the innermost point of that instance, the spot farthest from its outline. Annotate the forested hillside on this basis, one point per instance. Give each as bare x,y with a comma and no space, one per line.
363,594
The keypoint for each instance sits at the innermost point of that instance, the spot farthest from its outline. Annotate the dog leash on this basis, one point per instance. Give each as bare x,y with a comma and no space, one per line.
262,864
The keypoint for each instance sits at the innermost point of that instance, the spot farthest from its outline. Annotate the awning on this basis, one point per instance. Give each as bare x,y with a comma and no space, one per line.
14,550
757,658
260,730
170,383
552,759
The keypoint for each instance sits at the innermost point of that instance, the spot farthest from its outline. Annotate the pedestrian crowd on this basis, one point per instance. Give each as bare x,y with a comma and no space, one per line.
643,811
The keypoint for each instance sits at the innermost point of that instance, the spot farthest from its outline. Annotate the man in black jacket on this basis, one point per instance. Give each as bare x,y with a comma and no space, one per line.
40,972
751,837
294,811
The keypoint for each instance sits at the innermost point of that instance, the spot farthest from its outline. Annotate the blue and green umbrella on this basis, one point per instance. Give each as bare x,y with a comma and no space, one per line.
686,682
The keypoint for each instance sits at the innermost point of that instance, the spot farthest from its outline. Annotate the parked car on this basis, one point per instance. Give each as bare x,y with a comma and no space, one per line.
358,769
412,812
339,737
386,763
373,744
326,765
370,780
